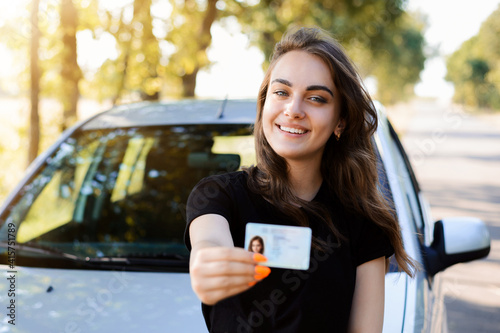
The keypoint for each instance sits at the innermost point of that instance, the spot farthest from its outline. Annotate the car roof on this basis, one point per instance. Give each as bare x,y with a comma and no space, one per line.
175,113
181,112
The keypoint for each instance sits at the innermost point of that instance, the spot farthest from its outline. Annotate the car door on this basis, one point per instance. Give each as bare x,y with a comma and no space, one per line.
421,311
429,311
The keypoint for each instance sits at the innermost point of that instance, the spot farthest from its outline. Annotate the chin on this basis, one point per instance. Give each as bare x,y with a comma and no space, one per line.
295,157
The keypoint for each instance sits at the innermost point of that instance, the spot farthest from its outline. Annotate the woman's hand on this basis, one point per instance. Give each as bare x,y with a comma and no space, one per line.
218,269
220,272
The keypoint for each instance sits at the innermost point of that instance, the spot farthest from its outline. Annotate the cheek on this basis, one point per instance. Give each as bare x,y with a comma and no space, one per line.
329,122
267,121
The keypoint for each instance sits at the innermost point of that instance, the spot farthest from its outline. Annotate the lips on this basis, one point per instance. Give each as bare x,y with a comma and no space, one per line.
292,130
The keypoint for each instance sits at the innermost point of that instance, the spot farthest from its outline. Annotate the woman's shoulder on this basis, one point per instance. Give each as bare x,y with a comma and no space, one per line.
215,193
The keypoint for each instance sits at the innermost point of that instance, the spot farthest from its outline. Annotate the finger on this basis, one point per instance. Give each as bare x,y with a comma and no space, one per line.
211,289
227,268
229,254
227,283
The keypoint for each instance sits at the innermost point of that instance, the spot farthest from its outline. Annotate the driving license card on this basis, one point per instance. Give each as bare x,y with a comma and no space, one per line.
284,246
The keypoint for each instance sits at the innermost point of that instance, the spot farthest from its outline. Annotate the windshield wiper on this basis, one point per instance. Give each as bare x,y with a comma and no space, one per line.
143,259
169,256
133,261
40,249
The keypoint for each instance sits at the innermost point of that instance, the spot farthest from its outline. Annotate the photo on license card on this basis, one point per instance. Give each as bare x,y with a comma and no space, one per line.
284,246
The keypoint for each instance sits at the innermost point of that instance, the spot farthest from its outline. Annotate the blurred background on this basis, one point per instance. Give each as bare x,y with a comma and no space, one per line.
435,65
63,60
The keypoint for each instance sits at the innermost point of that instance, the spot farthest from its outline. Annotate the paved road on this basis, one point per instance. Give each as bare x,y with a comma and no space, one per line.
456,157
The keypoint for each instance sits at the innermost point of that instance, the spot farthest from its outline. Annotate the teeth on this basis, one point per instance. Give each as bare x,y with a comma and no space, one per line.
292,130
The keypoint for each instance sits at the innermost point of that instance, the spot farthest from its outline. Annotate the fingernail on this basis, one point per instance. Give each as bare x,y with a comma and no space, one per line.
259,257
252,283
262,270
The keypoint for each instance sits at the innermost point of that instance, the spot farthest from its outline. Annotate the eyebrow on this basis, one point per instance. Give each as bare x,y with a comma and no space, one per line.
309,88
318,87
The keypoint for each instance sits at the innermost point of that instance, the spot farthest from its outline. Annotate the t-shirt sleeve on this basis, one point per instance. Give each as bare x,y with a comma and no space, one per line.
373,243
210,196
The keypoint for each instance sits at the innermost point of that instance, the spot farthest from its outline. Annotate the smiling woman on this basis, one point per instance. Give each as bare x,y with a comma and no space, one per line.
316,168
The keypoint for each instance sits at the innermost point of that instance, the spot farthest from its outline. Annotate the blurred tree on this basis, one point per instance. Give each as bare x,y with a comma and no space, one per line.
474,69
34,133
46,71
378,34
397,62
375,32
145,53
113,73
70,71
189,32
135,70
28,37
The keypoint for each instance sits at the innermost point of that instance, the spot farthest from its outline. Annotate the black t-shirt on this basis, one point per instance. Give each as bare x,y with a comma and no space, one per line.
318,299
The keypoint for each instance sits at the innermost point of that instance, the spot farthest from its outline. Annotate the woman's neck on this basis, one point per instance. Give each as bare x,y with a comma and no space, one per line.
305,179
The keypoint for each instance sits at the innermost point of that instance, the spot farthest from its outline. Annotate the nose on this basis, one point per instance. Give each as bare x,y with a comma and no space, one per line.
294,109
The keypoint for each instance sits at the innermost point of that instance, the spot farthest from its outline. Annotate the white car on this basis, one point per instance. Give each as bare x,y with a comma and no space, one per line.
91,240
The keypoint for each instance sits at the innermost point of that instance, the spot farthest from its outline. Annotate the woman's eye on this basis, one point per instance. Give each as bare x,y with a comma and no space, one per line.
280,93
318,99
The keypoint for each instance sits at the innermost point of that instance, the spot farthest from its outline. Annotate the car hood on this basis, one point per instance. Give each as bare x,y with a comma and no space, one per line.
59,300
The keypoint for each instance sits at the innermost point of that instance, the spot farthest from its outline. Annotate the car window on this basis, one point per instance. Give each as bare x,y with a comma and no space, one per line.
383,182
123,191
407,180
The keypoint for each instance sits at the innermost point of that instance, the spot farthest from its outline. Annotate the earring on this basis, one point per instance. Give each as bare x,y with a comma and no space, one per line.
337,136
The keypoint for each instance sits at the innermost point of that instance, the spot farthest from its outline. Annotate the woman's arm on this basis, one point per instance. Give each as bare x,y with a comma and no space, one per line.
219,270
367,312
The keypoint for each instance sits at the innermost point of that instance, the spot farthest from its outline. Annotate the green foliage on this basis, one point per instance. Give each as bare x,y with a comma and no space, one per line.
189,32
474,68
135,71
398,64
160,53
139,71
379,35
144,53
16,35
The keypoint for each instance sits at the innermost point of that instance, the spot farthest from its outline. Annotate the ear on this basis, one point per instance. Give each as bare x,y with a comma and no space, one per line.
340,127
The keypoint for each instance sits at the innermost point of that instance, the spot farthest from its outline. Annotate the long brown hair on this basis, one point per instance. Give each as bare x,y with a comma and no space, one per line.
349,165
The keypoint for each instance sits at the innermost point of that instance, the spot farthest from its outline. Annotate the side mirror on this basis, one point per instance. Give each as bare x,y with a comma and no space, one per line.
456,240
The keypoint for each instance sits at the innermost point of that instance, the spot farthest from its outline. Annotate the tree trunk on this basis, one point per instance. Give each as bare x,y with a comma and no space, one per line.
189,83
70,71
149,47
203,42
150,97
123,77
34,132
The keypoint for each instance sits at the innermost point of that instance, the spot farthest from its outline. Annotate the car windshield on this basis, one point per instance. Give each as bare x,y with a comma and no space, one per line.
122,192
